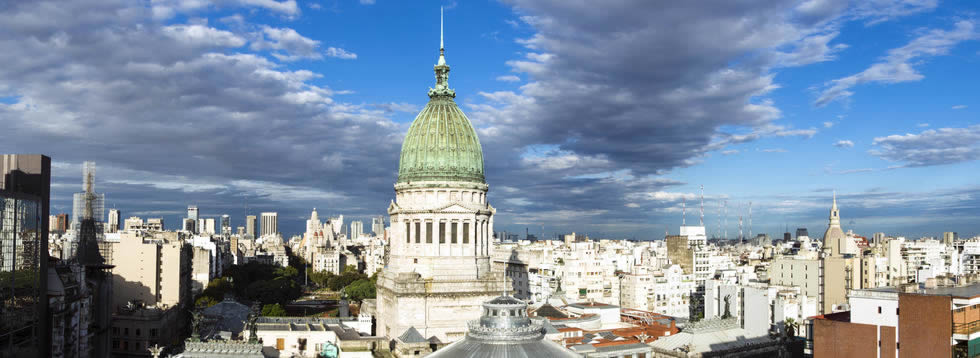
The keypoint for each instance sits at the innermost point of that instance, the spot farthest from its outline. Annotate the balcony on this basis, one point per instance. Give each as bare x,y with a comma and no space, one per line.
966,328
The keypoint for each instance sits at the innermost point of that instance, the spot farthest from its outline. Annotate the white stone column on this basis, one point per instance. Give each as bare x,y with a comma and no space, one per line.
471,246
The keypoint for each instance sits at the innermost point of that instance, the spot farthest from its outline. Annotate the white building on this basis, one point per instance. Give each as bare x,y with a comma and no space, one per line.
270,223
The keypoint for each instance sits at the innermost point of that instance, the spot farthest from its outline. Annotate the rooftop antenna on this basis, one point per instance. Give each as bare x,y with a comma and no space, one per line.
750,219
701,220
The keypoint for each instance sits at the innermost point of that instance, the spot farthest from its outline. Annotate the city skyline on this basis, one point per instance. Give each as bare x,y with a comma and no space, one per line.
581,133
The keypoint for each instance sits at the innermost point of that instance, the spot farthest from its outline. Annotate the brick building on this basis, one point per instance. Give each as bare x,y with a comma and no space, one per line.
911,322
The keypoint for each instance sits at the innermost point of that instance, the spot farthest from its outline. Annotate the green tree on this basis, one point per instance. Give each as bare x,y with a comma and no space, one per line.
286,272
340,281
360,290
205,301
273,310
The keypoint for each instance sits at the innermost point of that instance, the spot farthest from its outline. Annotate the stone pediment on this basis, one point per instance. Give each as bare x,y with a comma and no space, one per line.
392,208
456,208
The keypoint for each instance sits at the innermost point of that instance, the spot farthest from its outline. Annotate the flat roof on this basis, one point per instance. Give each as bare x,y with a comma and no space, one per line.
967,291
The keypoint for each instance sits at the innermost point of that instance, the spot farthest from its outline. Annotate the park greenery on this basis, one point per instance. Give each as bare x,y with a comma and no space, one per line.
256,282
273,286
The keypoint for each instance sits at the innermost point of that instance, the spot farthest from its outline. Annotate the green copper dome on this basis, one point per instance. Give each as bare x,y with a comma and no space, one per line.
441,144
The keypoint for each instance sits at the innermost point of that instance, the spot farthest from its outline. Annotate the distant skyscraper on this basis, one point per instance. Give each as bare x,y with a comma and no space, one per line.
949,237
113,224
58,223
787,237
356,229
226,224
378,226
207,226
270,223
250,225
25,184
192,212
800,232
877,238
190,225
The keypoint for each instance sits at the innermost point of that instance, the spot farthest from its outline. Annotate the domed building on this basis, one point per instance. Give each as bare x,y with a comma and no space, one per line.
504,330
438,271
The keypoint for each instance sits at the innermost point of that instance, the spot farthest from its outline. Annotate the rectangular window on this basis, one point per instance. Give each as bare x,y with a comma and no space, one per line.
408,230
428,233
466,233
879,309
454,232
442,233
280,343
418,232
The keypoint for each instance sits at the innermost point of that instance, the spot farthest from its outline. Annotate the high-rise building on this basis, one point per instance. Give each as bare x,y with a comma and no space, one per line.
25,187
190,225
949,238
801,232
206,226
251,223
877,238
225,224
356,229
378,226
113,224
192,212
440,246
58,223
270,223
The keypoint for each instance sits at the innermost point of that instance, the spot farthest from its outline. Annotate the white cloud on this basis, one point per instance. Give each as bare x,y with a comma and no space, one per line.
774,150
203,36
367,2
293,45
931,147
877,11
508,78
922,125
844,144
828,124
340,53
899,64
729,152
959,106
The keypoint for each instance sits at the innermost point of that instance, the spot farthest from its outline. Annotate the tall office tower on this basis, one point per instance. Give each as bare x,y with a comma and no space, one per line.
25,192
356,229
250,225
787,237
192,212
225,224
800,232
270,223
207,226
113,224
378,226
58,223
438,273
190,225
877,238
949,238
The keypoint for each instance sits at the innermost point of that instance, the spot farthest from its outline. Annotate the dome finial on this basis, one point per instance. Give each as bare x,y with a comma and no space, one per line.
442,69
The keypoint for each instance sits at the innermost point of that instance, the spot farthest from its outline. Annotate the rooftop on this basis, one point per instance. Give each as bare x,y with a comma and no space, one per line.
966,291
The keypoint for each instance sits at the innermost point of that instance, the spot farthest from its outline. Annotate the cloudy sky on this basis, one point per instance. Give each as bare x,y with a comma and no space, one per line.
597,119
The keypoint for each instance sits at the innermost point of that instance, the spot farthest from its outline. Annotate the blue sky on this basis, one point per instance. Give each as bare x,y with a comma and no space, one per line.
593,119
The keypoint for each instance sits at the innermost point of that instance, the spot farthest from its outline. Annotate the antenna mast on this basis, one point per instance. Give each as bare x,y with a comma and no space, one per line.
750,220
740,237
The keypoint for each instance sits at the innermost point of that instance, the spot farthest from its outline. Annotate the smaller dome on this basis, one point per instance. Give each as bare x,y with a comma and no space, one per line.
504,330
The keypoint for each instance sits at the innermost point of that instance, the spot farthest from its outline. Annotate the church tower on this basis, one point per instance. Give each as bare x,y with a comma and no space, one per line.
438,271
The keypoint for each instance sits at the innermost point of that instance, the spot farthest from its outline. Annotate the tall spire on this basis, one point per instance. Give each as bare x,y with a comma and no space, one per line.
835,213
442,69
